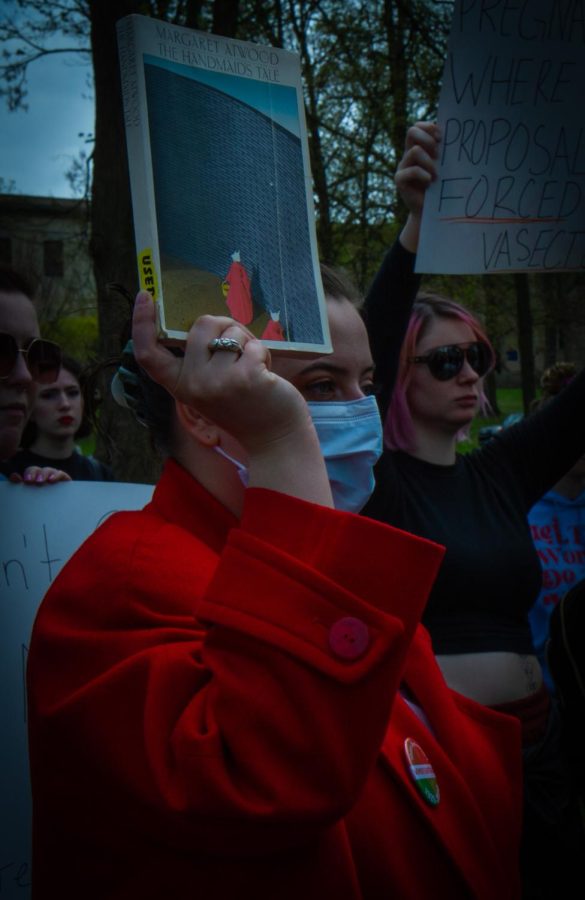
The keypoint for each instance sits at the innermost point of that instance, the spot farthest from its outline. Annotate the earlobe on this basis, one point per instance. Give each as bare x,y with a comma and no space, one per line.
200,428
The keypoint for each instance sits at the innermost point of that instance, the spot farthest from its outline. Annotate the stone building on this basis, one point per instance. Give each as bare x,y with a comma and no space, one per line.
47,239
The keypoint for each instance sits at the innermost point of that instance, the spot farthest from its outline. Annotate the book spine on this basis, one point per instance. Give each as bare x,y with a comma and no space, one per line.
127,56
136,127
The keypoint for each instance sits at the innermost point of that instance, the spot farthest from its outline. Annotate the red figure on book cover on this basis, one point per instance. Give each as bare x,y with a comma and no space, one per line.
274,330
236,287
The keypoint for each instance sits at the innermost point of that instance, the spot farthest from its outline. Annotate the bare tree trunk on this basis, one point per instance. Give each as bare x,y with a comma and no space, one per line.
363,262
318,169
551,328
525,342
225,17
123,442
395,26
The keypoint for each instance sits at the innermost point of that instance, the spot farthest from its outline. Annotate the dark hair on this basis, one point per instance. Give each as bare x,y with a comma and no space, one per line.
13,282
338,285
75,368
152,404
553,380
131,387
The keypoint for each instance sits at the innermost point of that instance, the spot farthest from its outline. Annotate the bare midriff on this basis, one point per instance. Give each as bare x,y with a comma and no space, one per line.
492,678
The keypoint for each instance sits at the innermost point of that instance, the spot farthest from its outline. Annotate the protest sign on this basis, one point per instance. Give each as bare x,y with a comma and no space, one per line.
40,529
510,195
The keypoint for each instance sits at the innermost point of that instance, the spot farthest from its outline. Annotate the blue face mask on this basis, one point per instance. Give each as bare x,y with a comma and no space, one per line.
350,435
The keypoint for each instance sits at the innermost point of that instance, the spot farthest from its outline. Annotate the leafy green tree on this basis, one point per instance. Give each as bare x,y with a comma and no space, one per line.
370,68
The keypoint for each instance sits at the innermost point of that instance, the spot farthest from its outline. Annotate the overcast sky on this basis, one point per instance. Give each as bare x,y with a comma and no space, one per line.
37,147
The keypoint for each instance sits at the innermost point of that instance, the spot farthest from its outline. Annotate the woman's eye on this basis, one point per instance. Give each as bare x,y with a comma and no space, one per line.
370,388
74,392
47,395
320,389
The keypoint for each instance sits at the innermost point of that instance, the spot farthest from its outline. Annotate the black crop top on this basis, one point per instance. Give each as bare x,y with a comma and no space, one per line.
476,508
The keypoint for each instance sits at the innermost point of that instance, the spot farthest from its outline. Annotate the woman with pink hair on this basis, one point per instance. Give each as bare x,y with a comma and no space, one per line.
476,505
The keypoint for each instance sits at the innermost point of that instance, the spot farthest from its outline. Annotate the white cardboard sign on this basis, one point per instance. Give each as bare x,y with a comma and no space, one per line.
511,189
40,529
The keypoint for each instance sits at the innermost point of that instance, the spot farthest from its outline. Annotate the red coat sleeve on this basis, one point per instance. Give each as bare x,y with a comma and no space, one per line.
203,694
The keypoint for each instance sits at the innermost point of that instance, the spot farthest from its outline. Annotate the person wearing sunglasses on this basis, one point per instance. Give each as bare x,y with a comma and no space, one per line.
25,361
476,505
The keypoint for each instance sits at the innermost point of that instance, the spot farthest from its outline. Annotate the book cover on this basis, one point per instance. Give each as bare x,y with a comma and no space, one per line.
220,182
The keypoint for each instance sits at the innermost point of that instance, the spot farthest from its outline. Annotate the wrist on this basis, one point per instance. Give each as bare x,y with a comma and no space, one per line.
292,463
410,234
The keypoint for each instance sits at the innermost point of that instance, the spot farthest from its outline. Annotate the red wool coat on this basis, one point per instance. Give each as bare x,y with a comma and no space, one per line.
214,713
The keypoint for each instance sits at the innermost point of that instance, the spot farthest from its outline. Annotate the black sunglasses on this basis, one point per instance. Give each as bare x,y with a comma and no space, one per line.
43,358
446,362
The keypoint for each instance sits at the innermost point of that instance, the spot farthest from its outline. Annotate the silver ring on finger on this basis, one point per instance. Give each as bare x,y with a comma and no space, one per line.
229,344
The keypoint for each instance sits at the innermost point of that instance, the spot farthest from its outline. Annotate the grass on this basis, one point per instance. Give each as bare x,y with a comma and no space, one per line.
87,445
509,401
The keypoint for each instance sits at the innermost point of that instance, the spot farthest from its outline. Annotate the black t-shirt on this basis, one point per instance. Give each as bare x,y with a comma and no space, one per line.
77,466
477,507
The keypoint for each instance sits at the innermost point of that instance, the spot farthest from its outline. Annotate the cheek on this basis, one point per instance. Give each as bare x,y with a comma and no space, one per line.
8,394
426,395
42,410
418,391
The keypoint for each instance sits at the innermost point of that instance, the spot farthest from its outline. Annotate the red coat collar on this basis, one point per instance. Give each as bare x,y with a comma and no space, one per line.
179,498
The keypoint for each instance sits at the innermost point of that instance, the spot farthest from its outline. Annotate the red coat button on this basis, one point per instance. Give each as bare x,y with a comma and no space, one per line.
349,638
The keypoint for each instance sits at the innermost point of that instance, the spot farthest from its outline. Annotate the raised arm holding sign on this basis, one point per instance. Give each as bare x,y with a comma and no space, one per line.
510,195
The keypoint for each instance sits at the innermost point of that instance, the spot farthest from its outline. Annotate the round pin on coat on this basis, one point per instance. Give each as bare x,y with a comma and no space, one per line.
421,772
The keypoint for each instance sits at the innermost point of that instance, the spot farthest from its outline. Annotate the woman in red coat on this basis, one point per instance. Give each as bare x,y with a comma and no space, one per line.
230,694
